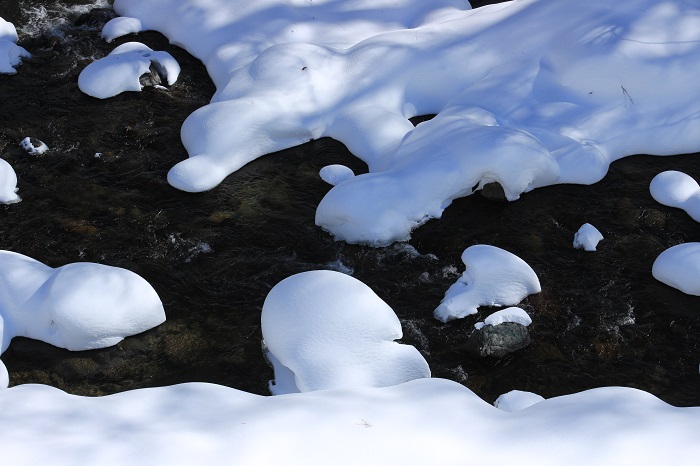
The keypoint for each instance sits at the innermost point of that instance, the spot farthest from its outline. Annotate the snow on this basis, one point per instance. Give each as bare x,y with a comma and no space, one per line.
676,189
325,329
425,421
334,174
679,267
33,146
121,26
77,306
11,54
510,314
493,277
516,400
567,91
587,237
8,184
120,70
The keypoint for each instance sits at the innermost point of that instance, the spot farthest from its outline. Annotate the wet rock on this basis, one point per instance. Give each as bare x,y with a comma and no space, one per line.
498,340
152,78
493,191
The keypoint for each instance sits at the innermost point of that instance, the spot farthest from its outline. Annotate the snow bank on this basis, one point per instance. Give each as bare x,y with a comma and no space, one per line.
8,184
334,174
10,53
526,93
77,306
510,314
516,400
679,267
426,421
493,277
587,237
676,189
325,329
121,69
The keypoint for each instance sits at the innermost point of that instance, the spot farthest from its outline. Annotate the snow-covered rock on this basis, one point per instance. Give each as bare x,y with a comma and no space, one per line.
324,329
118,27
677,189
121,69
587,237
516,400
11,54
421,422
510,314
8,183
77,306
679,267
334,174
565,92
33,146
493,277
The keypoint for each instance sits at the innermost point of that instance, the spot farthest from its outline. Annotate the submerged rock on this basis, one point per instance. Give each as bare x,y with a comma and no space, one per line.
498,340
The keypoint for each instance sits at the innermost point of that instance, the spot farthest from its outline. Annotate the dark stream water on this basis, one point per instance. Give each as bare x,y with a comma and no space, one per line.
600,320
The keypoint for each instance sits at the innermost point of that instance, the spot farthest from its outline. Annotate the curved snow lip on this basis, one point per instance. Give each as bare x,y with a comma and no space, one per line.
120,70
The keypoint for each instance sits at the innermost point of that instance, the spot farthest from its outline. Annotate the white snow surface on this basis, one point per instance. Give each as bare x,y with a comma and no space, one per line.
8,183
516,400
510,314
120,70
677,189
11,54
679,267
587,237
324,329
493,277
425,421
527,93
119,27
77,306
334,174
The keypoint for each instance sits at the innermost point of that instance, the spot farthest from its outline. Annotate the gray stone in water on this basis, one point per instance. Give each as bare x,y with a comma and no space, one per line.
493,191
498,340
152,78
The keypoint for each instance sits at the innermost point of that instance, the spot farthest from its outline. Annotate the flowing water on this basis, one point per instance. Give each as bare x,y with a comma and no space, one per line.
100,194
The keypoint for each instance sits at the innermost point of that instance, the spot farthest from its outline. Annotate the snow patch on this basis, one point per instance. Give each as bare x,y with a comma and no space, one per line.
679,267
676,189
11,54
493,277
324,329
8,184
511,314
33,146
587,237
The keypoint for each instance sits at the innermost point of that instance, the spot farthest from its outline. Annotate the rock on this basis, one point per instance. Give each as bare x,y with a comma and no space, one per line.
493,191
152,78
498,340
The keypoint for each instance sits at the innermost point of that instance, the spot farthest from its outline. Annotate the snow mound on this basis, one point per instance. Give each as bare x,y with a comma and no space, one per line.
199,423
118,27
334,174
511,314
8,184
566,91
676,189
587,237
516,400
120,70
493,277
11,54
77,306
324,329
679,267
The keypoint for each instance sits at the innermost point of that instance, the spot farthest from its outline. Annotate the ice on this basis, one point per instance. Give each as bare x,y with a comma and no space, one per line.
676,189
11,54
516,400
120,70
679,267
77,306
493,277
8,184
569,89
324,329
587,237
421,422
510,314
